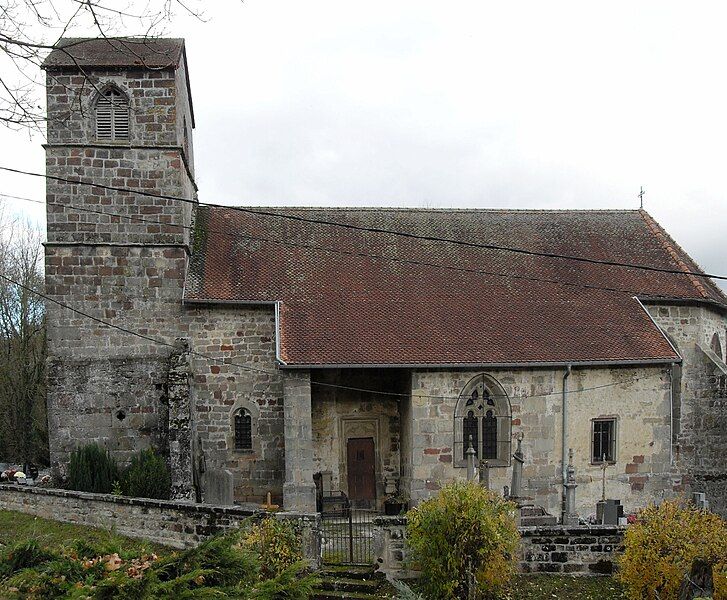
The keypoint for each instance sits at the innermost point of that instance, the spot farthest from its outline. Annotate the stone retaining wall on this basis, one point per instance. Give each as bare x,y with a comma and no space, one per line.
176,524
584,550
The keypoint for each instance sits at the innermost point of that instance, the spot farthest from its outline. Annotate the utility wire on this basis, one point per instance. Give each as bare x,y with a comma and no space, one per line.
288,243
226,361
404,234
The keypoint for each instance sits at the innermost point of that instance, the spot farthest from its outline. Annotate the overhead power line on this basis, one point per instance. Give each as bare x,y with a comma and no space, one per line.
392,232
317,248
161,342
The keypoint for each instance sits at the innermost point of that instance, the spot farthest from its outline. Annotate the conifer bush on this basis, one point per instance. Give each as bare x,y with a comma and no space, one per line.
664,543
220,567
147,476
464,541
92,469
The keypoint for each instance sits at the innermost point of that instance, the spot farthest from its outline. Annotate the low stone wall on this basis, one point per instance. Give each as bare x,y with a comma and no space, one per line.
175,524
584,550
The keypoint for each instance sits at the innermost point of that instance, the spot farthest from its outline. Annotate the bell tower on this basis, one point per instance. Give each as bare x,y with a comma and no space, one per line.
119,115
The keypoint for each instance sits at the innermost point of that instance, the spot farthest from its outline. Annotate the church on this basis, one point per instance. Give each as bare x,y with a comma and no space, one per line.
357,352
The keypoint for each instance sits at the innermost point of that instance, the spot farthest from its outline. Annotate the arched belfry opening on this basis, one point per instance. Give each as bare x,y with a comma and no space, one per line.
112,115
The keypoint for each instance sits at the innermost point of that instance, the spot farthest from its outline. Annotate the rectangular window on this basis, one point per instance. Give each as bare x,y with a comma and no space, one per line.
603,440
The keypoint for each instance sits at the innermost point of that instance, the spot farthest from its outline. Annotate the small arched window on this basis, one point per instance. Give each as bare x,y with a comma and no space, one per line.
716,346
243,429
483,418
112,116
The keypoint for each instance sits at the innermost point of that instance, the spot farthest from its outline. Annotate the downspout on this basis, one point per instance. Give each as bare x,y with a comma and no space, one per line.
671,416
277,334
564,429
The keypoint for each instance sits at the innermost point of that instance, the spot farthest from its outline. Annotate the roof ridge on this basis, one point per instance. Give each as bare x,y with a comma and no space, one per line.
374,208
675,251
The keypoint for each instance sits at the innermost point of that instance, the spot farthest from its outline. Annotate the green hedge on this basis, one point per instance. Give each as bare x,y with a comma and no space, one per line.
147,477
93,469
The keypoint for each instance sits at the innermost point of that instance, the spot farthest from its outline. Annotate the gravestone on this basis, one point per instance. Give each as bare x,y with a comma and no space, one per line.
218,487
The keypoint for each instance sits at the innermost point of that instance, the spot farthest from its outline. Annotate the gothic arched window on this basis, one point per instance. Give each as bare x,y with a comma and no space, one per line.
243,429
483,417
112,116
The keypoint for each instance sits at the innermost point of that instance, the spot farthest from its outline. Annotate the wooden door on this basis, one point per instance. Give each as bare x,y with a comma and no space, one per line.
361,472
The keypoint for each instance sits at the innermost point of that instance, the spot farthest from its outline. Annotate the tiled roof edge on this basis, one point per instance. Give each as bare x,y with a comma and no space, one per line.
676,253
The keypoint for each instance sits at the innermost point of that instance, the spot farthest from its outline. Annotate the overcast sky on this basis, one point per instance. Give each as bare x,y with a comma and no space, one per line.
457,104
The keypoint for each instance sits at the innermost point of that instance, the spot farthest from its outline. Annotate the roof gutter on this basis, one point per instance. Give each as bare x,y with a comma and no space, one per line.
504,365
230,302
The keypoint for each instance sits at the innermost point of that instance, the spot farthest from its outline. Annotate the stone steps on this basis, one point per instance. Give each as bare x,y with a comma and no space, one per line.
356,583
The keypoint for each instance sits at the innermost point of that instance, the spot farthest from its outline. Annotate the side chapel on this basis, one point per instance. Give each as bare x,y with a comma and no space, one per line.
352,346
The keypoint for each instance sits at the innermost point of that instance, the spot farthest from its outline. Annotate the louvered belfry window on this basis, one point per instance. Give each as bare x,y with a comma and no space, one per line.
112,116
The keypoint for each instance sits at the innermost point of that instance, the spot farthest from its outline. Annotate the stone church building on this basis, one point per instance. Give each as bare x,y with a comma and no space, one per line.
362,348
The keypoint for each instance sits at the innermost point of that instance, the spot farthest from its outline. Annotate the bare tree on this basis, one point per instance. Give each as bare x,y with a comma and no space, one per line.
23,420
29,29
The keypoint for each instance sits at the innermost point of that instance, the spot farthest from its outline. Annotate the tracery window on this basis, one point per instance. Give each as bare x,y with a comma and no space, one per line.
483,417
243,429
112,116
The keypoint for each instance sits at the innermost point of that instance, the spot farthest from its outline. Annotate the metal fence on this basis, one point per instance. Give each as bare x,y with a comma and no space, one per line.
348,536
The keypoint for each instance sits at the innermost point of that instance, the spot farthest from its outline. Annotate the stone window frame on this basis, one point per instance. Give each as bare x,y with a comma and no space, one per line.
503,413
715,344
93,126
614,439
254,410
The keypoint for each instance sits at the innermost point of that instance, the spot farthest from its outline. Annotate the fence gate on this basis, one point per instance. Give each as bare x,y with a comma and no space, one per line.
348,536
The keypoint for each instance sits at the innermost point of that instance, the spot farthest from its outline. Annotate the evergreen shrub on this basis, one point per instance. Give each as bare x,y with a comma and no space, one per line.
92,469
147,476
464,541
663,544
217,568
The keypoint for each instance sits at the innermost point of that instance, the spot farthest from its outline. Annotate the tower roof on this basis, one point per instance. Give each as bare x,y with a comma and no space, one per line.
116,52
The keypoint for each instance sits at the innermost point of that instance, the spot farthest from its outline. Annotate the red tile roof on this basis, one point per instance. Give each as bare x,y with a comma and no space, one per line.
351,297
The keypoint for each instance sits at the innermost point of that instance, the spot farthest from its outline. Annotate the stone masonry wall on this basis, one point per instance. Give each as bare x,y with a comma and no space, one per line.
175,524
245,336
701,402
586,550
106,385
637,397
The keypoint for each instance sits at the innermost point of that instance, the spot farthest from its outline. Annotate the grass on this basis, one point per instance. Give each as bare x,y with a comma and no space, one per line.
54,535
559,587
564,587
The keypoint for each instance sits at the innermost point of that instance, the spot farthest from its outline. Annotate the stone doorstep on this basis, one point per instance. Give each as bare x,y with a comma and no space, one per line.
343,581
